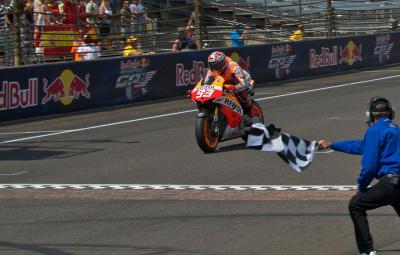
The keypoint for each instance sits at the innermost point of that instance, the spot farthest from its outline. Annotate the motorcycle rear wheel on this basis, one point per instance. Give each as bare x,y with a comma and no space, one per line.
206,138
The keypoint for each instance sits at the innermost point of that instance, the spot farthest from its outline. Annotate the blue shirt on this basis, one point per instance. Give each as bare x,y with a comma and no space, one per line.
235,38
380,151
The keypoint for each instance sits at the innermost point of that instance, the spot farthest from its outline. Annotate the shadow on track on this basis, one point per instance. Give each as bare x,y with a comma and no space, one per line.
52,249
232,147
28,153
37,248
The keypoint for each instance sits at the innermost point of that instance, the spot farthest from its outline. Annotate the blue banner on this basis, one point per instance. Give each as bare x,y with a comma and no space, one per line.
64,87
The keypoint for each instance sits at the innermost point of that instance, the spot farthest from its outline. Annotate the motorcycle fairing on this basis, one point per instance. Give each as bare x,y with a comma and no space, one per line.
231,132
206,92
232,109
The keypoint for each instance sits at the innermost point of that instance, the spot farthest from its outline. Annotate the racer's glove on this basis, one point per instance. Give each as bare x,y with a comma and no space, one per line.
230,88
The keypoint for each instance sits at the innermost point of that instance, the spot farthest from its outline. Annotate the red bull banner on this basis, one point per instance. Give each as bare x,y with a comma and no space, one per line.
64,87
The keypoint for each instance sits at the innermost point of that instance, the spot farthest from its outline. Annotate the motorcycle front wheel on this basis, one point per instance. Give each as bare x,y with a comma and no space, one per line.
206,137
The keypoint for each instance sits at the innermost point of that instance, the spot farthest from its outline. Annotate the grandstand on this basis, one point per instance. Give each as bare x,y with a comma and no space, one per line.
269,21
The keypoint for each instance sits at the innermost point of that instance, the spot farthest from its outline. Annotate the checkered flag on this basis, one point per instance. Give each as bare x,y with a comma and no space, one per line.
296,152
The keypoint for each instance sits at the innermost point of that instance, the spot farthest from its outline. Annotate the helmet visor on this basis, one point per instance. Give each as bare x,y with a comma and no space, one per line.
216,66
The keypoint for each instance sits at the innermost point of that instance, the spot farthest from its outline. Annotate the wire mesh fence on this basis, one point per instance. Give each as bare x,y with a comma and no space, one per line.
29,37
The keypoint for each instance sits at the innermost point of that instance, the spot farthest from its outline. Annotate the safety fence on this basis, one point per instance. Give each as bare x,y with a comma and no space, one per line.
207,24
36,90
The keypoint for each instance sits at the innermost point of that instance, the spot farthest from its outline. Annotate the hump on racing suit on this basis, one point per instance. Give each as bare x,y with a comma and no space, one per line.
235,75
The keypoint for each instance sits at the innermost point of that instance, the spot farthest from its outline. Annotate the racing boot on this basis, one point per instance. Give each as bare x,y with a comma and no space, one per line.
248,108
253,115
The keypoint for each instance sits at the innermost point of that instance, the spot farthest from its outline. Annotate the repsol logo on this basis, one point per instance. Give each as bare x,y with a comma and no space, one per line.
234,106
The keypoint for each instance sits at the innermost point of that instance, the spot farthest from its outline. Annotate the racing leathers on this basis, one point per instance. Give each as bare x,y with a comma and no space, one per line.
238,81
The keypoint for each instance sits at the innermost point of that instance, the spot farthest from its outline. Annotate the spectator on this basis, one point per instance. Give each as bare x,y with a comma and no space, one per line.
28,10
91,30
55,17
92,11
115,5
61,7
176,46
104,21
70,11
42,20
75,46
298,34
36,9
126,19
140,18
82,12
44,13
238,36
27,31
185,40
4,33
88,50
132,49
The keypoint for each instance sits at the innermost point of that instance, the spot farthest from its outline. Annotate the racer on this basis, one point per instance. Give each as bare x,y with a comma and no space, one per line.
239,80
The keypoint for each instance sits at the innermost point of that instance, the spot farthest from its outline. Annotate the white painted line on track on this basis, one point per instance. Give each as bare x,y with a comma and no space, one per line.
183,112
98,126
32,132
14,174
179,187
344,118
330,87
382,71
268,93
325,152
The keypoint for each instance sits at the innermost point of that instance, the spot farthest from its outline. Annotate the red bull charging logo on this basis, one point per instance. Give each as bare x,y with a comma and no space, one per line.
351,53
65,88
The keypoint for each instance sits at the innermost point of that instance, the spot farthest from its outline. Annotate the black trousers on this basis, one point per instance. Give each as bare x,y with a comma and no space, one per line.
381,194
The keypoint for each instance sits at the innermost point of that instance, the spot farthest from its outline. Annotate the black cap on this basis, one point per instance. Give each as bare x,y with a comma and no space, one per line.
380,106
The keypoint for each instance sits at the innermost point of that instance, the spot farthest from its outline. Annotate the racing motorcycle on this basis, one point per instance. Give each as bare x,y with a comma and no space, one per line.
220,116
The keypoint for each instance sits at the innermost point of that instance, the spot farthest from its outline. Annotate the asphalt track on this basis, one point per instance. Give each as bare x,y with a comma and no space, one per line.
222,203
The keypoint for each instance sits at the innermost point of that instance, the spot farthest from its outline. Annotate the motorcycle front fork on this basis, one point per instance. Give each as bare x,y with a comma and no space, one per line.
215,120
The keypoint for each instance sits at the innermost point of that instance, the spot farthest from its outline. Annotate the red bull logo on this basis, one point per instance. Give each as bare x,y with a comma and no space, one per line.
65,88
13,97
351,53
186,77
281,60
136,63
383,47
326,57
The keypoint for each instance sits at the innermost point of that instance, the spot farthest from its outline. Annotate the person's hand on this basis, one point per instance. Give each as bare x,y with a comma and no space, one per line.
324,144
